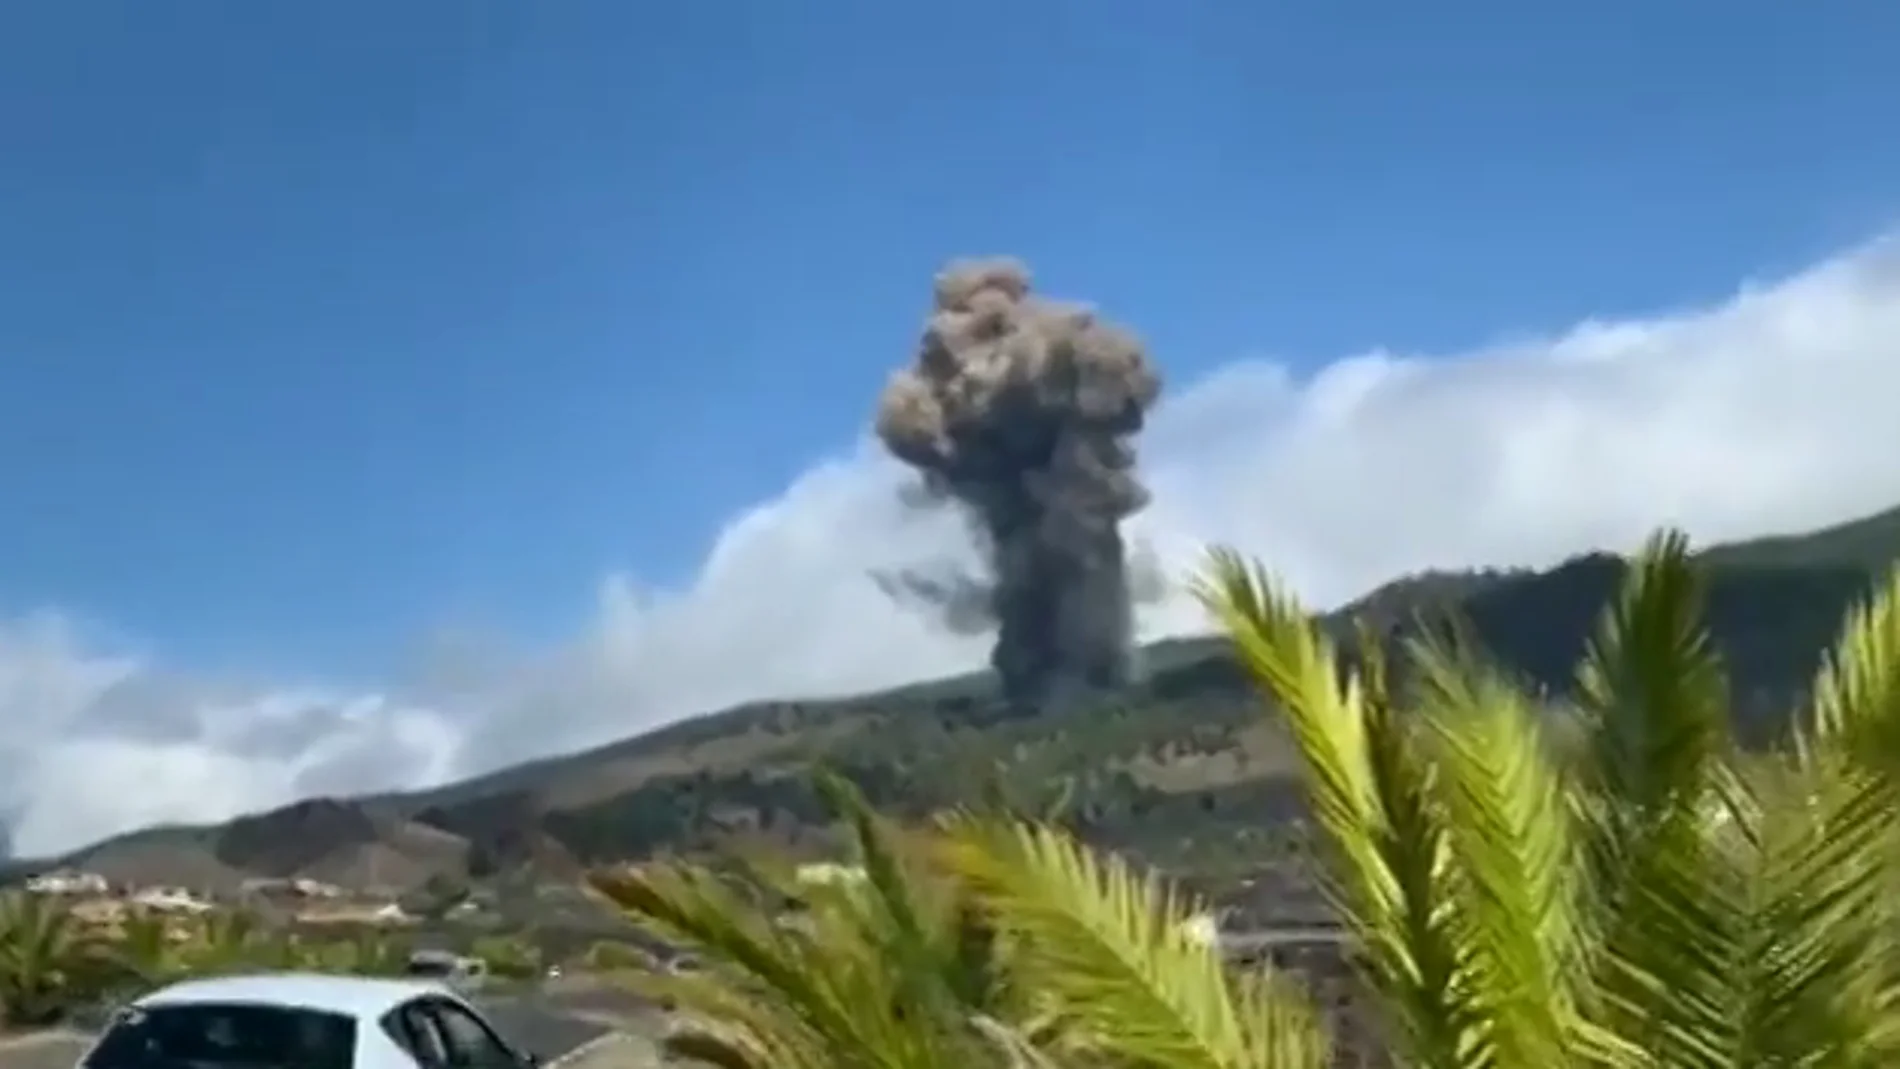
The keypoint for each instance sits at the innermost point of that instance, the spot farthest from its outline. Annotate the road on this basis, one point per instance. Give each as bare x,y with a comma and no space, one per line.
624,1028
44,1050
542,1029
559,1034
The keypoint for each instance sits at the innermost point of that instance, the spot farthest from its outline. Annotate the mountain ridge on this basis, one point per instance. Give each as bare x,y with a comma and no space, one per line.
1183,753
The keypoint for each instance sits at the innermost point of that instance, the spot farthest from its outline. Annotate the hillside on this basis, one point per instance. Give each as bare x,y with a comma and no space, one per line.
1181,767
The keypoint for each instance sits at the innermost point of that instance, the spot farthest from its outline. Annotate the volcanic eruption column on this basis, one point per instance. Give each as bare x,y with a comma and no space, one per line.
1023,412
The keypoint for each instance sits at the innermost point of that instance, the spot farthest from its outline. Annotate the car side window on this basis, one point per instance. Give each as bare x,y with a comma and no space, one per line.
221,1035
470,1043
415,1031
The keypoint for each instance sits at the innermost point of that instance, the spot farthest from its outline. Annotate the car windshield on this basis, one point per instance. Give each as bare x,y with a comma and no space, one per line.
431,967
225,1036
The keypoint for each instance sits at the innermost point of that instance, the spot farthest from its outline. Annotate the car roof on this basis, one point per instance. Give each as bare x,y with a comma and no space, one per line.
354,996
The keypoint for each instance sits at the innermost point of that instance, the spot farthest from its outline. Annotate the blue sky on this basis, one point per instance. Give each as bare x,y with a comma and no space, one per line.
323,325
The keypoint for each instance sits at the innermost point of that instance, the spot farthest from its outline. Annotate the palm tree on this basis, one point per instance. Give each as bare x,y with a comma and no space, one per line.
1641,895
146,952
376,953
49,963
515,957
281,949
228,940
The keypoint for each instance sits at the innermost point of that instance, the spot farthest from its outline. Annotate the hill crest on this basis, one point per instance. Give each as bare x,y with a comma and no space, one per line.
1184,749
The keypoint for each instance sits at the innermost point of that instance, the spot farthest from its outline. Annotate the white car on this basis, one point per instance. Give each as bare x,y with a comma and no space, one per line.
303,1021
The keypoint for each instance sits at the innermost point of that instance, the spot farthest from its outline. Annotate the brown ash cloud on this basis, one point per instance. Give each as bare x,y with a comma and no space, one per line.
1022,412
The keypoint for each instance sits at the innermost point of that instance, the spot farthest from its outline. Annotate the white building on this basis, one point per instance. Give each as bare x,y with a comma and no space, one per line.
170,900
67,882
289,887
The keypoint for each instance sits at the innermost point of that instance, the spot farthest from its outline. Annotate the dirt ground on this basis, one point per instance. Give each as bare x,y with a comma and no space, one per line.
42,1050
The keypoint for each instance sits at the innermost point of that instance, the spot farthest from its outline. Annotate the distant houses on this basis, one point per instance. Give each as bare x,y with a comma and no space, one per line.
169,900
295,888
98,899
68,882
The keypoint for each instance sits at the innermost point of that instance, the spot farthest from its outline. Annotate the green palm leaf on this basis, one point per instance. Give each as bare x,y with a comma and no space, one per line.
1369,786
1508,827
1113,950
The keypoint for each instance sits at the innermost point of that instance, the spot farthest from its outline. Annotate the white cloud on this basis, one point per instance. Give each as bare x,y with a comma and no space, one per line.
1771,411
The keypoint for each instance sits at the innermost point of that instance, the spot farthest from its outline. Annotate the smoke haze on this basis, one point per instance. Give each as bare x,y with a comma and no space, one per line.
1022,412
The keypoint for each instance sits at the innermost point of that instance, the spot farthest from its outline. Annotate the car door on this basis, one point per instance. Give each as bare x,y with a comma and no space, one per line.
469,1041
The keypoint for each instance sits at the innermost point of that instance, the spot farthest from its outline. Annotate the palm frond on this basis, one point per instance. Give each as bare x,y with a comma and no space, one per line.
1296,669
824,971
1020,1049
1516,874
1665,906
1654,692
685,905
1814,978
1113,951
1856,693
891,915
1852,733
723,1048
1370,791
730,1025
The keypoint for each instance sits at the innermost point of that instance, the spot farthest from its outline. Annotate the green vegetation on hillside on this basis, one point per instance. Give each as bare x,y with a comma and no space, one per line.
1868,544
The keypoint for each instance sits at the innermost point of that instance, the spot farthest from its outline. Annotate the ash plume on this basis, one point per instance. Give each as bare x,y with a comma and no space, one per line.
1022,412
